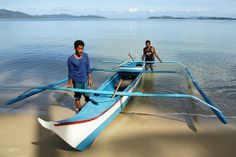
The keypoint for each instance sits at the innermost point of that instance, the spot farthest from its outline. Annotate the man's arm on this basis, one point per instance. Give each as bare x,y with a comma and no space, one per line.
70,74
156,54
90,82
143,56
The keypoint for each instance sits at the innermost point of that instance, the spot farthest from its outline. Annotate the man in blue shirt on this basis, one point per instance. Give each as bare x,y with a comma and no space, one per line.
79,72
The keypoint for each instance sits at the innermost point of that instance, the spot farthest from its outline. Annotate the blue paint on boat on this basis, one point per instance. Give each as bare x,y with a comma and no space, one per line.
89,140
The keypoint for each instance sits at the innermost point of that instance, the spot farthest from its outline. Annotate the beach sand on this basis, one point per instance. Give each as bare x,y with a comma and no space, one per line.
128,135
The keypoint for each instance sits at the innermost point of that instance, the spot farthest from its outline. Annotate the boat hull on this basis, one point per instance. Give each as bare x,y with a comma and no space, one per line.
80,132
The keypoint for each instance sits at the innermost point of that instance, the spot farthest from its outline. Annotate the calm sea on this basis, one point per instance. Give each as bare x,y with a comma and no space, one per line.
34,52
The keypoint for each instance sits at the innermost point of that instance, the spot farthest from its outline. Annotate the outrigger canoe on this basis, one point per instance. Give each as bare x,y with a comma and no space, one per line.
107,102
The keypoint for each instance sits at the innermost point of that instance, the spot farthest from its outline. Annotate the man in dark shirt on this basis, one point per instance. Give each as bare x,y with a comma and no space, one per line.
149,54
79,72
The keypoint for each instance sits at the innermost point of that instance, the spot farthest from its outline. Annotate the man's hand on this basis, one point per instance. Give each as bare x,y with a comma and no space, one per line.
90,83
69,85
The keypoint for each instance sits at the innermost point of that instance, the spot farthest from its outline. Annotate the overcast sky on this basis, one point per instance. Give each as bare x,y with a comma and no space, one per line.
124,8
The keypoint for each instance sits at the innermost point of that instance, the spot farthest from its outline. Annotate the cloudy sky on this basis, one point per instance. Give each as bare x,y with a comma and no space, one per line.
125,8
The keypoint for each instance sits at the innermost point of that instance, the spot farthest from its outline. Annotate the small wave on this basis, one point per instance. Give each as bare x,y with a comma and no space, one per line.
15,87
223,87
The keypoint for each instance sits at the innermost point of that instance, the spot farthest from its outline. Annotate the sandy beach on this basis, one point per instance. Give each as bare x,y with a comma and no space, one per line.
128,135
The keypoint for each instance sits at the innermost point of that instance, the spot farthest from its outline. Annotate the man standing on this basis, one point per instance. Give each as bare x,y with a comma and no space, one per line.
79,72
148,55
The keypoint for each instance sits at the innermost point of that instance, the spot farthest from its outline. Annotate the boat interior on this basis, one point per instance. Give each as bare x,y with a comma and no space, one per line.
119,82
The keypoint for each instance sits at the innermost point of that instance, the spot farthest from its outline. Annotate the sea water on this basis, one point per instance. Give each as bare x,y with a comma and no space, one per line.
35,52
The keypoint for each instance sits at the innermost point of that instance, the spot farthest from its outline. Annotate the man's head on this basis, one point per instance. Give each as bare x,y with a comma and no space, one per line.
148,43
79,46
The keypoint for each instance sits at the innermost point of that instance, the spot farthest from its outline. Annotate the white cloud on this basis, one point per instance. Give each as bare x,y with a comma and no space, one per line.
137,10
133,10
189,10
151,10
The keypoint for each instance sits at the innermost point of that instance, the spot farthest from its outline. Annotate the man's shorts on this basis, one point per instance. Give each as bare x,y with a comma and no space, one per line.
148,65
78,95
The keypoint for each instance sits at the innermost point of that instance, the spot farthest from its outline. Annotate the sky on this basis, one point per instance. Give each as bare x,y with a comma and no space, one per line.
124,8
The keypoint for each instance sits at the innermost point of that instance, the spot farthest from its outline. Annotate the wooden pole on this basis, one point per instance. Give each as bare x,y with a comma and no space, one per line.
118,86
130,56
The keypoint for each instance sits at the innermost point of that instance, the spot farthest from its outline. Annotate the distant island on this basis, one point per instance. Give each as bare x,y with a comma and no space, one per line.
16,14
198,18
166,17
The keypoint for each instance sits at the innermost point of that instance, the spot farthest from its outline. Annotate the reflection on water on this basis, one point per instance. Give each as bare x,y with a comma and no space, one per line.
162,83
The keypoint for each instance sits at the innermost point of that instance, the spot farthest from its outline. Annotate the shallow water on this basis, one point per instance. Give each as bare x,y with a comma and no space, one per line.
35,52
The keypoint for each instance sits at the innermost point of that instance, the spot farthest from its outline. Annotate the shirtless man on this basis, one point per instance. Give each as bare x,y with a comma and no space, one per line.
149,54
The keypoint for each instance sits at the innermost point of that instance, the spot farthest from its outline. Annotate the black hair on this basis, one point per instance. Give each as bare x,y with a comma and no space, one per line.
148,41
78,42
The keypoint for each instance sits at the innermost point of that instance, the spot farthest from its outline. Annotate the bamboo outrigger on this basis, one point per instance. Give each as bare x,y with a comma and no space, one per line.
107,102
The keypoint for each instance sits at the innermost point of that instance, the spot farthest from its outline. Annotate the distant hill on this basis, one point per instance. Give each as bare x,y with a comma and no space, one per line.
55,16
13,14
166,17
16,14
216,18
199,18
68,16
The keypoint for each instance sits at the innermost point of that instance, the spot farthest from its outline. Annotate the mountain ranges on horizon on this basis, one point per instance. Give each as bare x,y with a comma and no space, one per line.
196,17
17,14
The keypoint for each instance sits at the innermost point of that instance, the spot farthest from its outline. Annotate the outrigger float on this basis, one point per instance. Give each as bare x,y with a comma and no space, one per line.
107,102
